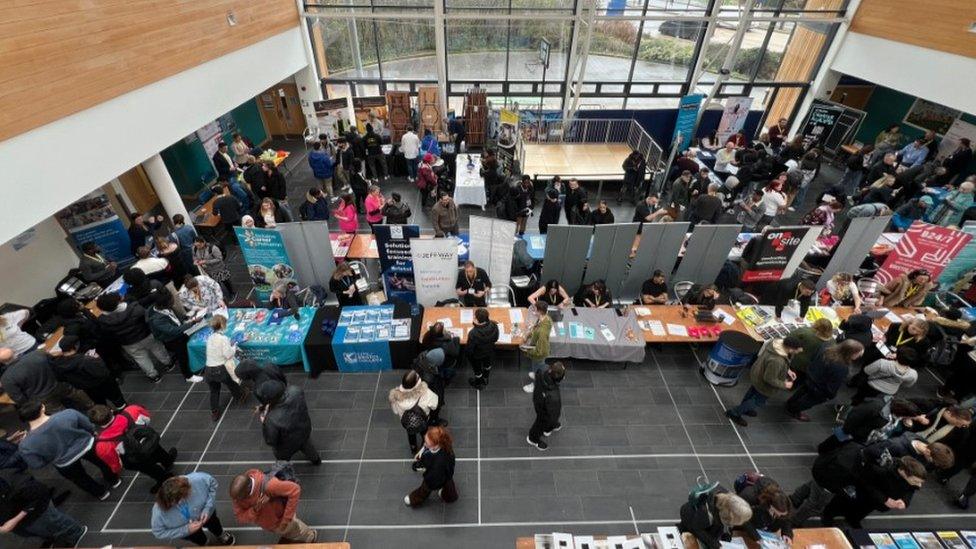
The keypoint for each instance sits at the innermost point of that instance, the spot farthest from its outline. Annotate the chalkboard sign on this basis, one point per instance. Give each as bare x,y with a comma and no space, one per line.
820,122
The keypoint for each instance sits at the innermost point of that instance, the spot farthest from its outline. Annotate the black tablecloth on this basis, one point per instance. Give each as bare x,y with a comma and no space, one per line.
402,353
318,346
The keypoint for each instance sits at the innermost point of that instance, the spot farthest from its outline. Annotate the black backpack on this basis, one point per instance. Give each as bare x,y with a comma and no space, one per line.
139,441
281,470
414,420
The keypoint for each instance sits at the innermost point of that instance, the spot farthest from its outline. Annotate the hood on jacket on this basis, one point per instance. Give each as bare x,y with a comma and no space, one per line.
778,348
248,369
270,391
398,395
857,324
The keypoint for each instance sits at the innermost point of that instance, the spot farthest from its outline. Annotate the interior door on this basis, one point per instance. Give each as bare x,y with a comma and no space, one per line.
282,111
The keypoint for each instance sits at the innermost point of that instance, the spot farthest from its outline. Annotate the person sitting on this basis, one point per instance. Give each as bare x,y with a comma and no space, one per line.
596,295
11,334
711,516
473,286
654,291
841,290
226,167
95,267
343,285
148,264
552,293
907,289
703,296
202,293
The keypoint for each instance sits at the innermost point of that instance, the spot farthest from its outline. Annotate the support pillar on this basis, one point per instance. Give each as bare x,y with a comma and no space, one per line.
165,188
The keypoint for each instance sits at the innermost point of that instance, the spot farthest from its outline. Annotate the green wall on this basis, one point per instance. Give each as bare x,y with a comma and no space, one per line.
887,106
188,163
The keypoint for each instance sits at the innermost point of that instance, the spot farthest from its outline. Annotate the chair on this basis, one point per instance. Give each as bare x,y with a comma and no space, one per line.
681,289
501,296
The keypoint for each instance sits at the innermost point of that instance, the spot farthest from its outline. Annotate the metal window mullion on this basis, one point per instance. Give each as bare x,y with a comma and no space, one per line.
633,57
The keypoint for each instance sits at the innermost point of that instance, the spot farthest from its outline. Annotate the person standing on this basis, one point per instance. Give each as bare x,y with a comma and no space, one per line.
286,424
31,377
228,210
410,147
575,197
481,347
64,439
375,158
885,376
155,462
126,323
315,207
396,211
551,209
342,283
711,516
536,343
774,201
524,203
602,215
548,405
277,188
87,373
169,328
185,507
813,338
777,134
346,214
826,374
706,208
444,216
426,179
271,503
769,374
322,167
634,170
374,206
958,161
27,509
415,399
436,461
220,363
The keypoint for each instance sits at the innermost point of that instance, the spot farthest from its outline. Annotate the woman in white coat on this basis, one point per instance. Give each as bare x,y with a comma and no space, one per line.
221,362
412,392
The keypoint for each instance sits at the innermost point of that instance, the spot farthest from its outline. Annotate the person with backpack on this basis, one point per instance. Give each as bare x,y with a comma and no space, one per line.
125,440
481,347
412,401
548,405
436,461
85,372
266,500
711,513
769,374
285,423
315,207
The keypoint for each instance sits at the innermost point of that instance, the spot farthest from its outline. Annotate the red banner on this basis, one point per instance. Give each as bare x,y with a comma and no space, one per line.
771,252
923,246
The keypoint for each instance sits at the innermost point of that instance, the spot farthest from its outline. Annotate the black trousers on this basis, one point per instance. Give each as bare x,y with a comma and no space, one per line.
308,449
212,524
157,467
864,392
853,510
77,474
542,424
177,349
804,398
481,368
215,378
107,390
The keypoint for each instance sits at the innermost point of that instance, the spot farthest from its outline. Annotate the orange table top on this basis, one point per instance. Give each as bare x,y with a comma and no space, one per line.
363,246
204,216
500,315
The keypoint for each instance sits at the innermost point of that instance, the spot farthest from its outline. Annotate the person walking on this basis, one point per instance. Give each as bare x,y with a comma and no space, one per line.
87,373
436,461
322,167
28,509
481,347
126,323
271,503
536,343
185,507
826,374
220,365
769,374
64,439
444,216
415,400
315,207
286,424
131,424
548,405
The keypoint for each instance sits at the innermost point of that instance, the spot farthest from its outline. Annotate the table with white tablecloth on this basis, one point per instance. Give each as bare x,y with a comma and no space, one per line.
469,186
583,336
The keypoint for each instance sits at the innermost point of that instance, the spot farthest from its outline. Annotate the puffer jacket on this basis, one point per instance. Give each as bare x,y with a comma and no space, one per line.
401,399
126,325
481,340
396,213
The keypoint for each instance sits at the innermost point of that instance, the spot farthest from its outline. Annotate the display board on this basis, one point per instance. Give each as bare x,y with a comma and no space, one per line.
567,248
854,246
92,219
659,246
307,244
491,246
361,342
958,130
429,109
706,252
684,126
364,106
266,258
609,254
777,252
396,263
923,246
733,117
398,113
831,125
332,116
435,269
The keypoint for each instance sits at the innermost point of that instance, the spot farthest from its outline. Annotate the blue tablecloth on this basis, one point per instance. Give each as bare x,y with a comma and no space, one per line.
361,342
261,334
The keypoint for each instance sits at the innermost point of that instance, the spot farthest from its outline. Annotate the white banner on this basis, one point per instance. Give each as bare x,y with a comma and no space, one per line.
733,118
435,269
491,247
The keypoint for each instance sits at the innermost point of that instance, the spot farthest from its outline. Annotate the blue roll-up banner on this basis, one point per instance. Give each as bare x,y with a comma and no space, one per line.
266,258
92,219
396,264
687,114
361,342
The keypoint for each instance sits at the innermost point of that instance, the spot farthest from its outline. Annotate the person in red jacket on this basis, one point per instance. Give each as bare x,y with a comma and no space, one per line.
270,503
109,448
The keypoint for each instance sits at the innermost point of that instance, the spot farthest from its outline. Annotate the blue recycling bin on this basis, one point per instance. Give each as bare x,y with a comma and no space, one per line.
730,357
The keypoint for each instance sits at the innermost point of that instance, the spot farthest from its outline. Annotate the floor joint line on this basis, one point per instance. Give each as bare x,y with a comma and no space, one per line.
681,420
362,456
478,397
214,434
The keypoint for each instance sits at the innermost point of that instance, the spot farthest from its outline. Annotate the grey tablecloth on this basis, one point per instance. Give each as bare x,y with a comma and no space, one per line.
620,349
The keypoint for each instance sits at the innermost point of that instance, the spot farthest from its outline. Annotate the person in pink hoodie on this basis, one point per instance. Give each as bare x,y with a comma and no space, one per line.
346,214
374,206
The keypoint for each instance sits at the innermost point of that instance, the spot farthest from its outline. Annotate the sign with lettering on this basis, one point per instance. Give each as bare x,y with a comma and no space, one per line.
923,246
770,256
820,121
396,264
435,269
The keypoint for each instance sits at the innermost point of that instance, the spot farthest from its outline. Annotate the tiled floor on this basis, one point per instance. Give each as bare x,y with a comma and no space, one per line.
633,442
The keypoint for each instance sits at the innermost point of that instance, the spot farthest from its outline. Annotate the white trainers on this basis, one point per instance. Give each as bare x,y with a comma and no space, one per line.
554,429
194,379
532,376
406,500
529,388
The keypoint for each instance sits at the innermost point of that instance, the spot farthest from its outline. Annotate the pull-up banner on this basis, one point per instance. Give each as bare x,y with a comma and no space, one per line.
923,246
266,258
771,255
396,263
820,121
491,246
435,269
684,126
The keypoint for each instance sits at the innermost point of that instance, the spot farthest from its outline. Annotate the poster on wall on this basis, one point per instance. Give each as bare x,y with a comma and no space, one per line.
923,246
332,116
927,115
92,219
820,121
363,107
508,122
684,126
396,263
491,246
777,252
266,259
435,269
733,117
958,130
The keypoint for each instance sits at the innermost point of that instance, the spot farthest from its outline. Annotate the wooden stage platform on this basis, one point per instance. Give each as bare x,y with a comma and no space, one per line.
580,160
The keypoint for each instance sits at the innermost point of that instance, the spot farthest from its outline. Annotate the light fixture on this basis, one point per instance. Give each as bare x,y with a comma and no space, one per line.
231,18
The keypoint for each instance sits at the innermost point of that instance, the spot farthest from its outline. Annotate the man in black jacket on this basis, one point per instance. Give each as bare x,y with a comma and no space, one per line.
780,293
575,196
31,377
276,188
481,347
876,488
126,324
548,405
87,373
223,162
28,510
286,425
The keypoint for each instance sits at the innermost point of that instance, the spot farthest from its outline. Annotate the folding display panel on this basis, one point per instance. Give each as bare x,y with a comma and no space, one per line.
566,249
861,235
659,246
707,250
610,254
310,251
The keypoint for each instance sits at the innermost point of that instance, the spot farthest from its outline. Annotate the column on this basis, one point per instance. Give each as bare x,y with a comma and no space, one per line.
165,188
309,91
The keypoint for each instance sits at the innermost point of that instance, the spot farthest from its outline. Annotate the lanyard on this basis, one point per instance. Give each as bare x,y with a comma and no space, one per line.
912,289
185,510
901,340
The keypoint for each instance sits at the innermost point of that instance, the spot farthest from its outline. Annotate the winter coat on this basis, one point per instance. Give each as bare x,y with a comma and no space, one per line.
165,325
321,164
401,399
444,218
396,213
700,518
825,378
768,373
287,424
549,215
481,340
30,377
108,449
280,508
314,209
865,418
125,325
546,398
81,371
250,371
61,440
897,293
812,345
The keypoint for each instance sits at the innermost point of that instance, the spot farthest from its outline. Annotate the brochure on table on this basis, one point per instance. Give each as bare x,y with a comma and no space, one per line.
361,342
264,335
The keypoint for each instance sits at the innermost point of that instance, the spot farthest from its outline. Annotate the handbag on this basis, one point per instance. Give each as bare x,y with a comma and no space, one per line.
414,420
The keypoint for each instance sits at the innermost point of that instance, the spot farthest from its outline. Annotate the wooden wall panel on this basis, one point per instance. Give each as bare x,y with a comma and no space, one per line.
935,24
58,57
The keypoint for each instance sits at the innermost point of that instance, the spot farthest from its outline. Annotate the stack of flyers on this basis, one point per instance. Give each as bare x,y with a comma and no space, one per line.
927,540
352,335
401,329
345,318
952,540
904,540
769,540
367,333
386,314
883,541
969,536
383,332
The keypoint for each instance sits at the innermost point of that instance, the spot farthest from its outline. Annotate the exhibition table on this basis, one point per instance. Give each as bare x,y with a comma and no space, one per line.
508,320
341,244
828,538
597,334
204,216
325,354
469,186
331,545
260,334
677,324
363,246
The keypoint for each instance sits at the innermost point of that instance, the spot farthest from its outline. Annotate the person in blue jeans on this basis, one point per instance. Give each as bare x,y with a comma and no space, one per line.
770,373
27,510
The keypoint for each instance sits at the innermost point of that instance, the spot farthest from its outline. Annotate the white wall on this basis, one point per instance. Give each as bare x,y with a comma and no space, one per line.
29,274
937,76
49,167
